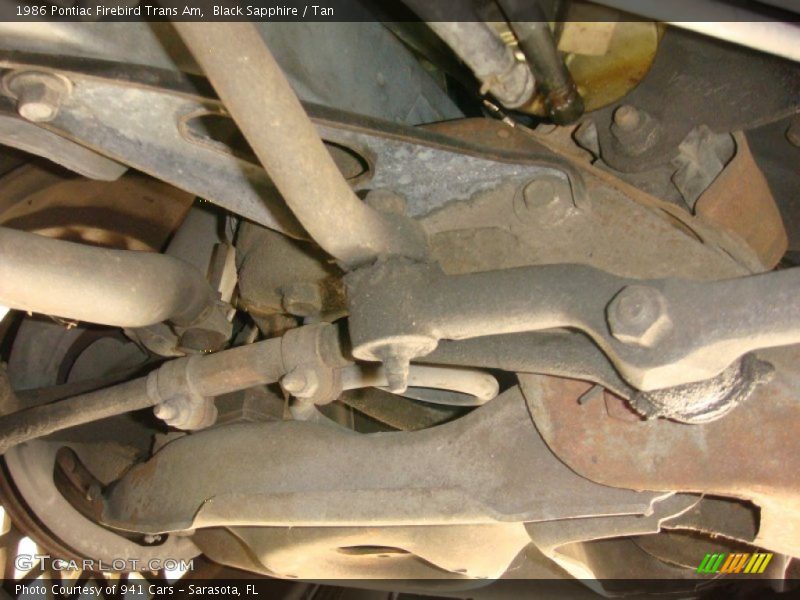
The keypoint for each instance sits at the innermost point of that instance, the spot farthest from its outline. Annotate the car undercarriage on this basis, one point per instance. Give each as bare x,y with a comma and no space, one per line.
407,302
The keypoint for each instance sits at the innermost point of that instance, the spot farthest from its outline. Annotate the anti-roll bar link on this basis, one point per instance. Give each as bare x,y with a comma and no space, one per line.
657,333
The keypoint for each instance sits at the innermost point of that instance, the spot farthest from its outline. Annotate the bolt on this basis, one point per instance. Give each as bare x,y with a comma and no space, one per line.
301,382
294,381
545,201
539,193
39,95
165,411
635,131
396,367
38,103
793,132
638,315
627,117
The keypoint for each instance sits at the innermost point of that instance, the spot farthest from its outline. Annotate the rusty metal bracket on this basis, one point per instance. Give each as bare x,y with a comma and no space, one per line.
752,453
150,119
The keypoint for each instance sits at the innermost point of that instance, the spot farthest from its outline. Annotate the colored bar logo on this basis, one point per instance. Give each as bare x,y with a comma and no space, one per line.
735,563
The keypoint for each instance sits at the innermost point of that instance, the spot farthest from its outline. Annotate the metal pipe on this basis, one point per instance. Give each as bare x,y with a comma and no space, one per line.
261,101
39,421
477,386
494,64
527,20
204,376
121,288
564,103
559,353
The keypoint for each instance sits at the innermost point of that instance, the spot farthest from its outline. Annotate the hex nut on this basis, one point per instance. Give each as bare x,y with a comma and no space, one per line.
634,131
639,315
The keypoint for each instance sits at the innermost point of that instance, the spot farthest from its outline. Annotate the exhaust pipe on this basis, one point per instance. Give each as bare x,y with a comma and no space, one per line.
121,288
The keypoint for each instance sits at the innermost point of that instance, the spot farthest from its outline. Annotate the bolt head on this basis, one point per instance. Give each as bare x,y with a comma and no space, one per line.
165,411
635,132
539,193
627,117
301,382
544,200
638,315
37,105
396,367
294,381
39,95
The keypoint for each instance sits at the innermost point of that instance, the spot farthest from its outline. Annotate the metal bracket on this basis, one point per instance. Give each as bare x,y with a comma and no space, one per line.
143,117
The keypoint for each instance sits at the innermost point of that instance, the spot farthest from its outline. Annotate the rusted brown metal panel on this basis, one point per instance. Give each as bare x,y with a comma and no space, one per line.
740,201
